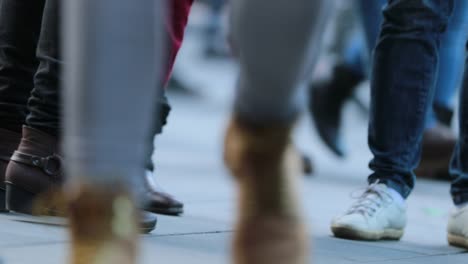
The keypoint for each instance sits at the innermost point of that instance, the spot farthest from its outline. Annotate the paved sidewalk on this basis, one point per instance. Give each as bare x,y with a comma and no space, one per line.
189,166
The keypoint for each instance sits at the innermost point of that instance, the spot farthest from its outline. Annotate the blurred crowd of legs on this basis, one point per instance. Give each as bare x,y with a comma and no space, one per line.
410,51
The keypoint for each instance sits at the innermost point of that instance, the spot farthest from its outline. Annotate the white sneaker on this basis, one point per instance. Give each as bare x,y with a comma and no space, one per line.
458,228
374,216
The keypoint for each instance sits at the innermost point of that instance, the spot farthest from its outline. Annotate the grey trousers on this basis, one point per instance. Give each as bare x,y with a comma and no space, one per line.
113,49
277,42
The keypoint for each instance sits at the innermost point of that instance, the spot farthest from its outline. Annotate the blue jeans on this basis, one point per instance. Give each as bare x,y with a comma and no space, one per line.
451,46
404,75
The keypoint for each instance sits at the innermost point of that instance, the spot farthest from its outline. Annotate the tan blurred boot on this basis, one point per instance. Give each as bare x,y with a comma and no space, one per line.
269,229
103,224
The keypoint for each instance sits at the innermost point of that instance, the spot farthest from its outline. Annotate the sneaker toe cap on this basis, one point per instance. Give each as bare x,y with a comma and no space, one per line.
356,221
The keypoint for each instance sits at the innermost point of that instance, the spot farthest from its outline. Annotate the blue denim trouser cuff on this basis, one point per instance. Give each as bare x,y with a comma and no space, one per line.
403,189
460,198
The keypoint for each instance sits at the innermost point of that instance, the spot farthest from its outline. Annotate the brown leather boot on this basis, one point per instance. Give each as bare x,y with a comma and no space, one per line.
34,175
34,179
270,228
9,141
438,144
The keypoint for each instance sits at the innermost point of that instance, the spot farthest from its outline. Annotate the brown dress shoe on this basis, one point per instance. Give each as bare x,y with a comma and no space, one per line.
438,144
9,141
270,228
160,202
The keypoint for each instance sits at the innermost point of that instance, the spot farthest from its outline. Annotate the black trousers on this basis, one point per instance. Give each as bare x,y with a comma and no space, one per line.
30,64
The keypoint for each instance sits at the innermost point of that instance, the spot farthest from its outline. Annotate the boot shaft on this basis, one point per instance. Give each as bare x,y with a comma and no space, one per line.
38,143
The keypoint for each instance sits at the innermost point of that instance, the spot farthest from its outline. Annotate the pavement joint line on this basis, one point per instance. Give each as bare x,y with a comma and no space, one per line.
45,243
416,257
190,234
33,244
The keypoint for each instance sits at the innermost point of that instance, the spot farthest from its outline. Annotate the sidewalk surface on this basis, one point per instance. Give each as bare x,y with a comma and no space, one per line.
189,165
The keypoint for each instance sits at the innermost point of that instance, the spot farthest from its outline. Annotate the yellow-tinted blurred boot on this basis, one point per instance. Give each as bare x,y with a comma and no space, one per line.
103,223
269,228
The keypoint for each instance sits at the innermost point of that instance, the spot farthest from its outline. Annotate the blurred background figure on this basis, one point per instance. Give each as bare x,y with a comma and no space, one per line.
215,38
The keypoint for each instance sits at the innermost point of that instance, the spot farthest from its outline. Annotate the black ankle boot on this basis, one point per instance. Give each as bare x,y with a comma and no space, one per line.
326,102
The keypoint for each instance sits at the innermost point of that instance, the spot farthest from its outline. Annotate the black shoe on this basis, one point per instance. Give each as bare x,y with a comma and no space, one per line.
147,222
160,202
326,102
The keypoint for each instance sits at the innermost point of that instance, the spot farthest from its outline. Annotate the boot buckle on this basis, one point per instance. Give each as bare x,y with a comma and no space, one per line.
51,165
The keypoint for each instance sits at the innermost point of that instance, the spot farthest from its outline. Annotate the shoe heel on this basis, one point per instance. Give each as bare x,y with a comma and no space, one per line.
49,203
18,200
2,201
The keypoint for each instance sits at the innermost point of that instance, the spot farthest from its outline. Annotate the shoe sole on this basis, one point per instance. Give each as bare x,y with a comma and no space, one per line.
457,241
30,206
17,200
176,211
356,234
144,227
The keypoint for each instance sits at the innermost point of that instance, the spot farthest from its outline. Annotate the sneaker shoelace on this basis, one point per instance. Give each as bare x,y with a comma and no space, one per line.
373,198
